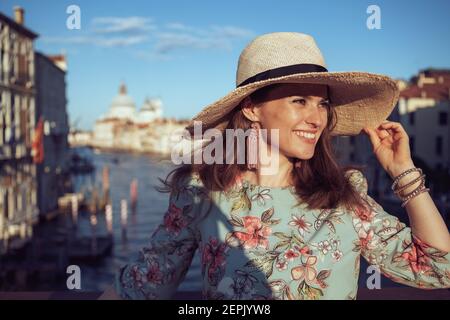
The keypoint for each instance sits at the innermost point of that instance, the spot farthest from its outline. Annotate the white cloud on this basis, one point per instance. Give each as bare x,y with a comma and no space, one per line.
214,37
164,39
122,41
151,55
168,42
231,32
178,26
123,25
98,41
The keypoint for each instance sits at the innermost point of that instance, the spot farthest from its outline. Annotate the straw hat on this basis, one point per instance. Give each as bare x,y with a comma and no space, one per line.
360,98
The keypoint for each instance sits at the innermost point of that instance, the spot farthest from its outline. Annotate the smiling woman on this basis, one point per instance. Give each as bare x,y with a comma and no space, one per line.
296,110
299,232
303,120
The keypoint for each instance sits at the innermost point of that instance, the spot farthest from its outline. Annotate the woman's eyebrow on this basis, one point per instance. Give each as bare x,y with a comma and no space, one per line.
309,97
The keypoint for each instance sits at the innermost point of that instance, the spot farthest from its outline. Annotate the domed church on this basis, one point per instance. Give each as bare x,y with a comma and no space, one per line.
122,116
122,106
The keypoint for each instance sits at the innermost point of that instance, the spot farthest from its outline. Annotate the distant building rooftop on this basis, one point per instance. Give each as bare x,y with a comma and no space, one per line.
18,23
429,84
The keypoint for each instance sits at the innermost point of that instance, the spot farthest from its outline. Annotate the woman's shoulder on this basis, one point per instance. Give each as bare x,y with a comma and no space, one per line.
188,192
357,179
190,185
191,180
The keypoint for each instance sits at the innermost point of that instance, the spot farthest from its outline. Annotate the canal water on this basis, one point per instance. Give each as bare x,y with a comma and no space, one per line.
151,206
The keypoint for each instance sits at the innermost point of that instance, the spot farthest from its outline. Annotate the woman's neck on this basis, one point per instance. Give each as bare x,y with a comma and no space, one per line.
281,177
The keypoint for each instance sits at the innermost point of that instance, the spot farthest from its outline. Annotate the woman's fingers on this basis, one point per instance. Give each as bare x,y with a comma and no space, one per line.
395,128
373,136
383,133
386,130
392,125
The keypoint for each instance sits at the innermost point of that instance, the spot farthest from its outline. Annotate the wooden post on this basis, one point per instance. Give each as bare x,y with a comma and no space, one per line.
74,210
124,218
93,220
134,194
105,179
106,186
109,219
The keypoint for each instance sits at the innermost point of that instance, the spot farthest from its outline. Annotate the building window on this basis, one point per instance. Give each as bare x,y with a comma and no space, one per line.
23,126
12,120
412,116
439,145
443,118
22,74
412,142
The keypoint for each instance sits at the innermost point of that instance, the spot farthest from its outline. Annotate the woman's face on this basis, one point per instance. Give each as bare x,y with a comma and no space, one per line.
299,112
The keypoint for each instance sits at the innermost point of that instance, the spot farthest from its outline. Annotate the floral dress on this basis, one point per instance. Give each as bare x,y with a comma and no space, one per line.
262,243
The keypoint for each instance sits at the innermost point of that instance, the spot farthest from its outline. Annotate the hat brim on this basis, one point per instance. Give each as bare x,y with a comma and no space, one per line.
361,99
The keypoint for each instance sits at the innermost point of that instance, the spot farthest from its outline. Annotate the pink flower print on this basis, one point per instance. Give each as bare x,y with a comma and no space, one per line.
367,240
301,224
324,246
364,218
255,234
214,256
303,250
337,255
417,259
154,274
290,255
137,276
174,221
281,264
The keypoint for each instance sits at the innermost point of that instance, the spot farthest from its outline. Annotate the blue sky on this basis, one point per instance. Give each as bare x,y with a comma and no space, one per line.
186,52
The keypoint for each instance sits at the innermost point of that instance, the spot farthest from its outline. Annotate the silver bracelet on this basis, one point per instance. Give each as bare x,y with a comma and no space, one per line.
414,194
409,184
397,179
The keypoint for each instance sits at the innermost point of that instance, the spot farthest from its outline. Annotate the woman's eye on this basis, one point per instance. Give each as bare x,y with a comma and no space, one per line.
302,101
325,104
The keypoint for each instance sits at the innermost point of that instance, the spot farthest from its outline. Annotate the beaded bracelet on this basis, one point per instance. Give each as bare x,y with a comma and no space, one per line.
400,189
414,194
397,179
421,186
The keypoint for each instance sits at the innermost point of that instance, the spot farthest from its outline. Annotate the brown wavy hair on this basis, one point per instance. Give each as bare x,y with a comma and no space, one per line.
320,181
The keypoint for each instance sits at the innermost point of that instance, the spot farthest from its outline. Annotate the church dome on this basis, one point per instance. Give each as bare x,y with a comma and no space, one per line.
122,106
150,110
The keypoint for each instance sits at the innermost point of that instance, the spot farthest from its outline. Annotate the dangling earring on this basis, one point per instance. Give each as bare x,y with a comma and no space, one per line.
253,147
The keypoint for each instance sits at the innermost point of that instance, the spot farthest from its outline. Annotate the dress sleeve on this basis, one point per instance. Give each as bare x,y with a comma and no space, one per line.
163,264
386,242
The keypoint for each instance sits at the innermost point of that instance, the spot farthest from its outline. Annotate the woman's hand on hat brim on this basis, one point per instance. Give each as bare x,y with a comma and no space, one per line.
390,144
